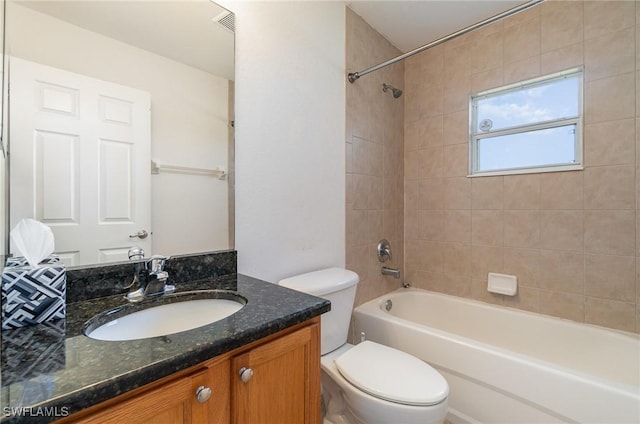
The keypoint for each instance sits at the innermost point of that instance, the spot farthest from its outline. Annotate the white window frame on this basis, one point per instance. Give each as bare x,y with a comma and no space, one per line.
475,135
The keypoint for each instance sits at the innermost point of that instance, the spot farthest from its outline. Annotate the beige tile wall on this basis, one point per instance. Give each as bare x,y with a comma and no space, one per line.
570,237
374,143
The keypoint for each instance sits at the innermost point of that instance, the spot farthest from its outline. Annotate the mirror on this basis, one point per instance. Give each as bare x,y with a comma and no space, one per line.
120,125
4,218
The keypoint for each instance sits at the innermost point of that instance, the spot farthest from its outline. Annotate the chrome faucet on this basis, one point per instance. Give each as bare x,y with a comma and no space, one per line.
152,280
136,254
394,272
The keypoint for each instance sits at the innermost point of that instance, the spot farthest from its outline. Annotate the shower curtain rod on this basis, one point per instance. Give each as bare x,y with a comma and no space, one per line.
353,76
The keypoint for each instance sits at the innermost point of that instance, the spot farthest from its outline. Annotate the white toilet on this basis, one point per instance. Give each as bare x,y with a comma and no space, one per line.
368,383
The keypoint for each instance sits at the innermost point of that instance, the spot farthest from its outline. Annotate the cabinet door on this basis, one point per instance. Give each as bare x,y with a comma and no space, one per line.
281,382
171,403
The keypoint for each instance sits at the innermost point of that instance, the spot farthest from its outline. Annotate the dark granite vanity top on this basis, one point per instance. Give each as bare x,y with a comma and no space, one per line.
54,369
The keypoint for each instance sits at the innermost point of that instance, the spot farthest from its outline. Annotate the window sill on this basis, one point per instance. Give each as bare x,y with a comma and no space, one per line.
528,171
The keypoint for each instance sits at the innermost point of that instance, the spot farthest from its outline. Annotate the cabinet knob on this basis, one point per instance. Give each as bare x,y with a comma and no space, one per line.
203,394
245,374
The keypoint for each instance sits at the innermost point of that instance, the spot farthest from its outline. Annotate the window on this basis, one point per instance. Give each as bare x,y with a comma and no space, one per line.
533,126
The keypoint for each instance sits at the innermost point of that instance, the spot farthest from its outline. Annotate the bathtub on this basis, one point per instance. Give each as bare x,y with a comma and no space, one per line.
509,366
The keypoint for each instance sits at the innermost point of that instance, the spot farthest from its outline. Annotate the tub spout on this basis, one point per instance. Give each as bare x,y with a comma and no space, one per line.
394,272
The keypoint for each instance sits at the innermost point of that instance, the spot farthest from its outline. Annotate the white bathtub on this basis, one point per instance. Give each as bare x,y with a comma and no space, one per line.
509,366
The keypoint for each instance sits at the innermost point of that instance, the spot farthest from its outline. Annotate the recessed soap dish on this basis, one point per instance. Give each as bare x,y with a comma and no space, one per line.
502,284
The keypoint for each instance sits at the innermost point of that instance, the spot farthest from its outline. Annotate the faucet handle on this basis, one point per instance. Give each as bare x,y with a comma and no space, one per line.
135,253
156,263
384,250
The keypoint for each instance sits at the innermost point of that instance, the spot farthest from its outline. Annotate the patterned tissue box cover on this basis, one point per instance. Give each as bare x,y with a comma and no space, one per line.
33,295
22,261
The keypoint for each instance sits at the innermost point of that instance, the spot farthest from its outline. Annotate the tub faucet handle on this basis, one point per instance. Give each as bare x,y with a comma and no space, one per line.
384,250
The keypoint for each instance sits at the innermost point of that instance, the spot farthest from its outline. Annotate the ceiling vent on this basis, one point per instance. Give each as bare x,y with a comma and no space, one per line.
227,20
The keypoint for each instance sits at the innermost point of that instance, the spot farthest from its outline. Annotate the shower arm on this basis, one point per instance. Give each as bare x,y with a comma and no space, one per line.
353,76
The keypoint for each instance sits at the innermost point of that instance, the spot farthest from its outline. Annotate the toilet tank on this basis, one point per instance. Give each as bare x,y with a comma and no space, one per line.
337,285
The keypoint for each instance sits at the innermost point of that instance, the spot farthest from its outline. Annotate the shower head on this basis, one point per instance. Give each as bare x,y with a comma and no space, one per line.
396,91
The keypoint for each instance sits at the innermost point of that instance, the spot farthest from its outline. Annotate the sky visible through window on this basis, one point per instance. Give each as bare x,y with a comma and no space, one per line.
549,101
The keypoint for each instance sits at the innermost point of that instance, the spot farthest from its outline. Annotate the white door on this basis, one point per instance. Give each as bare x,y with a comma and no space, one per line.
80,161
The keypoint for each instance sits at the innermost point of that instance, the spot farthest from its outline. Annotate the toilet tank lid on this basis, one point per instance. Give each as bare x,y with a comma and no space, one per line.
321,282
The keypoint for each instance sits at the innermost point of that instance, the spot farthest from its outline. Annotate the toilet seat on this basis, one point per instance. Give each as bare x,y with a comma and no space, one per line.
392,375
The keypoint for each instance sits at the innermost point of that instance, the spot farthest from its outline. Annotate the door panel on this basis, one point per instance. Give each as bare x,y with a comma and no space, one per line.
116,185
57,174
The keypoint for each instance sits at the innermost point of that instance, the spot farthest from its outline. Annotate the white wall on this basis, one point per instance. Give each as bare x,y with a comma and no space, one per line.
189,121
290,129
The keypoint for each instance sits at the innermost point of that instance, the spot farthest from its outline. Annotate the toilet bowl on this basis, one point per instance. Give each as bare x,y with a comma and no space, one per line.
368,383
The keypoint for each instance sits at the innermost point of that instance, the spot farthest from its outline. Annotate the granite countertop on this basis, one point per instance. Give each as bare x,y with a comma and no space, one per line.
55,369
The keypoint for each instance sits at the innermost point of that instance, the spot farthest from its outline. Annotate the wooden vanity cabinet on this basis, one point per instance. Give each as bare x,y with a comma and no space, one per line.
275,380
278,382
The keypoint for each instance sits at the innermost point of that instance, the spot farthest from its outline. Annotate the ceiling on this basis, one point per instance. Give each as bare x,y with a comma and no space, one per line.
182,30
411,24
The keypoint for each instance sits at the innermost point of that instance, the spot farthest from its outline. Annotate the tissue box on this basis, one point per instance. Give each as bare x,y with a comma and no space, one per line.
22,261
33,295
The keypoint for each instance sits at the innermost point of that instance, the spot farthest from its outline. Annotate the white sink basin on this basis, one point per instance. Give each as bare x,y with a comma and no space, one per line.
165,319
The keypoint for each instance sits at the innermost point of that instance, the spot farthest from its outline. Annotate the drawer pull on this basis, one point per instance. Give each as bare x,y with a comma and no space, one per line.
245,374
203,394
